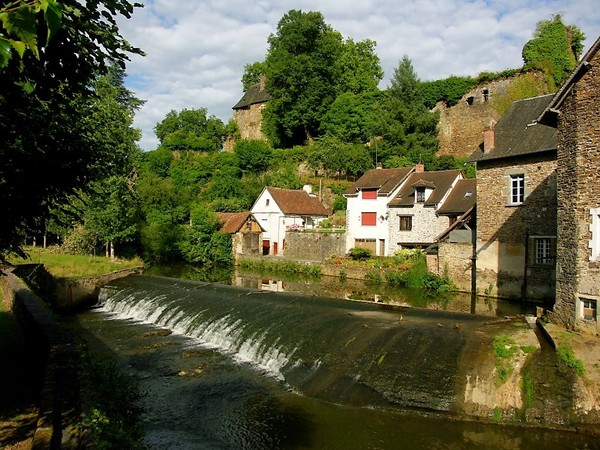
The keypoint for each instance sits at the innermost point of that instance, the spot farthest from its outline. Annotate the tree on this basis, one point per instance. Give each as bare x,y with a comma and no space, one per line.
302,73
349,117
402,125
359,68
253,155
252,74
45,100
191,129
555,48
201,242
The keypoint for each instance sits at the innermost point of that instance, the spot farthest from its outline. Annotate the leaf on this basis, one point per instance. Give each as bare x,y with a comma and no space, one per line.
381,358
53,16
19,46
4,52
21,24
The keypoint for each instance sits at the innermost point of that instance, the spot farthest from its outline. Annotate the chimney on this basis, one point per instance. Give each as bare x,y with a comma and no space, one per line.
419,168
488,140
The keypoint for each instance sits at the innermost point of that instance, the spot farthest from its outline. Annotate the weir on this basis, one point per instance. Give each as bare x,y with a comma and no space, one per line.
339,351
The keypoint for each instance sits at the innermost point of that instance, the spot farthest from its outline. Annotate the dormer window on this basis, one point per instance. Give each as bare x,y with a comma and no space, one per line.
420,194
369,194
468,194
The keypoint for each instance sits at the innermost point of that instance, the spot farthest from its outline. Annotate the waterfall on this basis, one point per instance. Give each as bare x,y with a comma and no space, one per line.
332,349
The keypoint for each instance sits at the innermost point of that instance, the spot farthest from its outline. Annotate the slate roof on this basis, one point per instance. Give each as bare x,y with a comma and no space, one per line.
518,133
386,180
440,181
459,201
232,222
256,94
297,202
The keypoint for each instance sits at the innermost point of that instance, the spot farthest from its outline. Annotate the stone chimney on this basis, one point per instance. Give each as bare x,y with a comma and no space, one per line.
419,168
488,140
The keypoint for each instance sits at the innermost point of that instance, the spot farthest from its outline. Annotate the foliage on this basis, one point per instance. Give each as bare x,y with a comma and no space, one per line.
360,254
308,65
504,346
201,242
112,412
555,48
332,155
526,85
191,129
567,356
50,130
349,117
252,74
253,155
449,90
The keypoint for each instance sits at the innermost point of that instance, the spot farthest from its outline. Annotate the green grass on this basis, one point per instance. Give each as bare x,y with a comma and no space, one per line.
74,266
567,356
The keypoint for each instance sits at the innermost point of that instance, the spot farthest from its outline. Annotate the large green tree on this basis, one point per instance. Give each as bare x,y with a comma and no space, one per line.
191,129
48,148
301,70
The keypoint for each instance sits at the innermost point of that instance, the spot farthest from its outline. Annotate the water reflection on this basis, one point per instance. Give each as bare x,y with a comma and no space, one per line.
348,289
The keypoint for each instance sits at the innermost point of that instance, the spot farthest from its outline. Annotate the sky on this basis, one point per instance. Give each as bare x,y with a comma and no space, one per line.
196,50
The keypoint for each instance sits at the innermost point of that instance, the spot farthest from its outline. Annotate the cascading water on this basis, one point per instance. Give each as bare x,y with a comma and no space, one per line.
347,353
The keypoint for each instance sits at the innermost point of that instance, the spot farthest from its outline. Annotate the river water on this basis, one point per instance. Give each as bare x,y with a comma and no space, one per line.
237,368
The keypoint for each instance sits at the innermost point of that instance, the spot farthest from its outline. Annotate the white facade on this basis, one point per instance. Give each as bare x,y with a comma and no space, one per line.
426,225
276,223
370,236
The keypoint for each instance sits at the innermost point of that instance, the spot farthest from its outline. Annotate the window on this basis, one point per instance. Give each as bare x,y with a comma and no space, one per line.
405,223
369,219
588,309
267,202
420,193
517,189
369,194
544,251
594,243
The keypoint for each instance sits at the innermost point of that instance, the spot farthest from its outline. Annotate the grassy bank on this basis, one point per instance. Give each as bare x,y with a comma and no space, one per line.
67,266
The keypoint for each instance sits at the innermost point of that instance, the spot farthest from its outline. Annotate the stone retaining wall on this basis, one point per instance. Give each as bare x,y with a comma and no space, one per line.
52,345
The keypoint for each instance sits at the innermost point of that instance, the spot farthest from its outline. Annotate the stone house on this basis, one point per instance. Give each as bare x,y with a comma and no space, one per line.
245,231
575,111
516,204
413,214
453,251
247,113
367,210
281,210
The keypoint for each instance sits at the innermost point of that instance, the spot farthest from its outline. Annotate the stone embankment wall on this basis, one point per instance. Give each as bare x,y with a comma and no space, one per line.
52,345
314,246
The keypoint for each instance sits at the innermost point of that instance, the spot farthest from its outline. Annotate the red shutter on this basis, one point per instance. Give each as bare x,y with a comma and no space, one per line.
369,219
369,194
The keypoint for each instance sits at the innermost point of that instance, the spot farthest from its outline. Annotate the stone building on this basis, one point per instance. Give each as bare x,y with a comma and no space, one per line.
245,231
247,113
575,111
516,204
413,217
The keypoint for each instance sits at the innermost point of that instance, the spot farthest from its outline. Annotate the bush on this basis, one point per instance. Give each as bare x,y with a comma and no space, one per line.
360,254
566,355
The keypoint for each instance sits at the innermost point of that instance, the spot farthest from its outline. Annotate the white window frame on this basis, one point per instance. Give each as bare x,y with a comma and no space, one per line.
543,247
588,303
594,243
517,189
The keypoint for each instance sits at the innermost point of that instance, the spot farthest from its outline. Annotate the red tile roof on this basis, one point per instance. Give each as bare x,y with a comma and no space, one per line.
297,202
232,222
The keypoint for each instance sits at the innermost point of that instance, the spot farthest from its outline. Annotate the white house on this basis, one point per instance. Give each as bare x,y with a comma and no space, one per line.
367,210
414,213
278,210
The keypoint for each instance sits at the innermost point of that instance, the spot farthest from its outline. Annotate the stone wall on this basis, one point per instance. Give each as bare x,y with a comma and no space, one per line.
314,246
249,121
504,252
578,169
454,260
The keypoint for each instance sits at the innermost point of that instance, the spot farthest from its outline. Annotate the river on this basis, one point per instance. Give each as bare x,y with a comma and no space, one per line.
238,368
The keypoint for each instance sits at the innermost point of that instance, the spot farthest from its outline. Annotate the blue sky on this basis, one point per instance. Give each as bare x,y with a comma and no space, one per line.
196,49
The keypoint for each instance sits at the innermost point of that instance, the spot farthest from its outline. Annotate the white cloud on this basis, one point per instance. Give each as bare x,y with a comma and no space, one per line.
197,49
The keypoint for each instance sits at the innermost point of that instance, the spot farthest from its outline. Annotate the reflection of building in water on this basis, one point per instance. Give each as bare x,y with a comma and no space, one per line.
271,285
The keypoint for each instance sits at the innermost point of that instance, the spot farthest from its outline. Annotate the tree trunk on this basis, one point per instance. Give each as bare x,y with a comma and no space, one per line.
112,250
106,249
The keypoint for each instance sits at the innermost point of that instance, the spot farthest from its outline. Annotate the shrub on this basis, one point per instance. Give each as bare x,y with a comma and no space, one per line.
360,254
